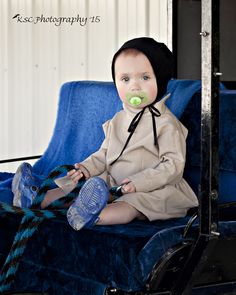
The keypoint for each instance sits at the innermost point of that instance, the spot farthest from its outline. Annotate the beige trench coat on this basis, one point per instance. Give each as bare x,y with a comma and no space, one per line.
157,173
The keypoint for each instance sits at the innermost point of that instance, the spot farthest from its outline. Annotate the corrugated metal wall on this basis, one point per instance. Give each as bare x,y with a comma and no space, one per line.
39,51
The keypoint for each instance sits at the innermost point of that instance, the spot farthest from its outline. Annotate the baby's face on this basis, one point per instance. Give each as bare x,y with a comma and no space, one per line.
135,80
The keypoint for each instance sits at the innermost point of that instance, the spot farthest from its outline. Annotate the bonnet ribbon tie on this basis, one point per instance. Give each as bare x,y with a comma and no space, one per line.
134,123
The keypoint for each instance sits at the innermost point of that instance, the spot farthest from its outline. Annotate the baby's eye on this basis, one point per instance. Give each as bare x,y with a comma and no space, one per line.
145,77
125,79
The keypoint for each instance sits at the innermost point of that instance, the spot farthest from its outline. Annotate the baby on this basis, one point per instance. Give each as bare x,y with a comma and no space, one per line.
143,151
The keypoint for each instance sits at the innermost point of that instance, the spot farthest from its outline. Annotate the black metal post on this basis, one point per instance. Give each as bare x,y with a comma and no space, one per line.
209,187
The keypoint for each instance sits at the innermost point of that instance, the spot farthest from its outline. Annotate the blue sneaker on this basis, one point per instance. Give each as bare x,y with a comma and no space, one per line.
92,198
24,186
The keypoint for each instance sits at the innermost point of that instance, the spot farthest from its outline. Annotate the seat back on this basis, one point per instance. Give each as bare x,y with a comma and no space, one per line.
83,107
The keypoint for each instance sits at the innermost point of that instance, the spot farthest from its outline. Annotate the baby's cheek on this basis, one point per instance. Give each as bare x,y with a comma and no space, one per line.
152,93
122,95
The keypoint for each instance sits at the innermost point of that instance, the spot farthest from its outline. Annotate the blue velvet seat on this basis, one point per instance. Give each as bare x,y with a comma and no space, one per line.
59,260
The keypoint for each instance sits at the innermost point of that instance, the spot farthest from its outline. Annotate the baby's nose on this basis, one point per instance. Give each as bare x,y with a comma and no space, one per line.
135,86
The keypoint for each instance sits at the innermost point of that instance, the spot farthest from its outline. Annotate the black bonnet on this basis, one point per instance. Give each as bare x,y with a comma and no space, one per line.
158,54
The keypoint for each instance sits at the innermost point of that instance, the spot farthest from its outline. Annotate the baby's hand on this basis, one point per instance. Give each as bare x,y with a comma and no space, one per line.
77,173
127,186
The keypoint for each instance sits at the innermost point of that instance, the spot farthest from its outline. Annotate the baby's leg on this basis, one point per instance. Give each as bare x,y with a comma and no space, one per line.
52,195
118,213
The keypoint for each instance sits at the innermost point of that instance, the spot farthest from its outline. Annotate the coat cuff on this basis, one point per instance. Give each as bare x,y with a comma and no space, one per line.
90,167
141,184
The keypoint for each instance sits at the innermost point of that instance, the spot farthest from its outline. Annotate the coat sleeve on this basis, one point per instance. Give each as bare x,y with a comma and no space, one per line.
169,170
96,163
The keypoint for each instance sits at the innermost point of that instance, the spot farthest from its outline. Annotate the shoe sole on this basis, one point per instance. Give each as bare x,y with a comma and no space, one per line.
91,199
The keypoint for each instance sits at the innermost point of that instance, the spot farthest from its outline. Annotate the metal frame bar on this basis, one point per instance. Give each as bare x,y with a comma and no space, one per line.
20,159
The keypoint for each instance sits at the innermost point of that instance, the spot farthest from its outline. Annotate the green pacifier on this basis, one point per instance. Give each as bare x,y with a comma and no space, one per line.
135,100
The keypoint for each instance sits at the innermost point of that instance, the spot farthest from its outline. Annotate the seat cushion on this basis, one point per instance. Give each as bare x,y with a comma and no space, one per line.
111,255
121,256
